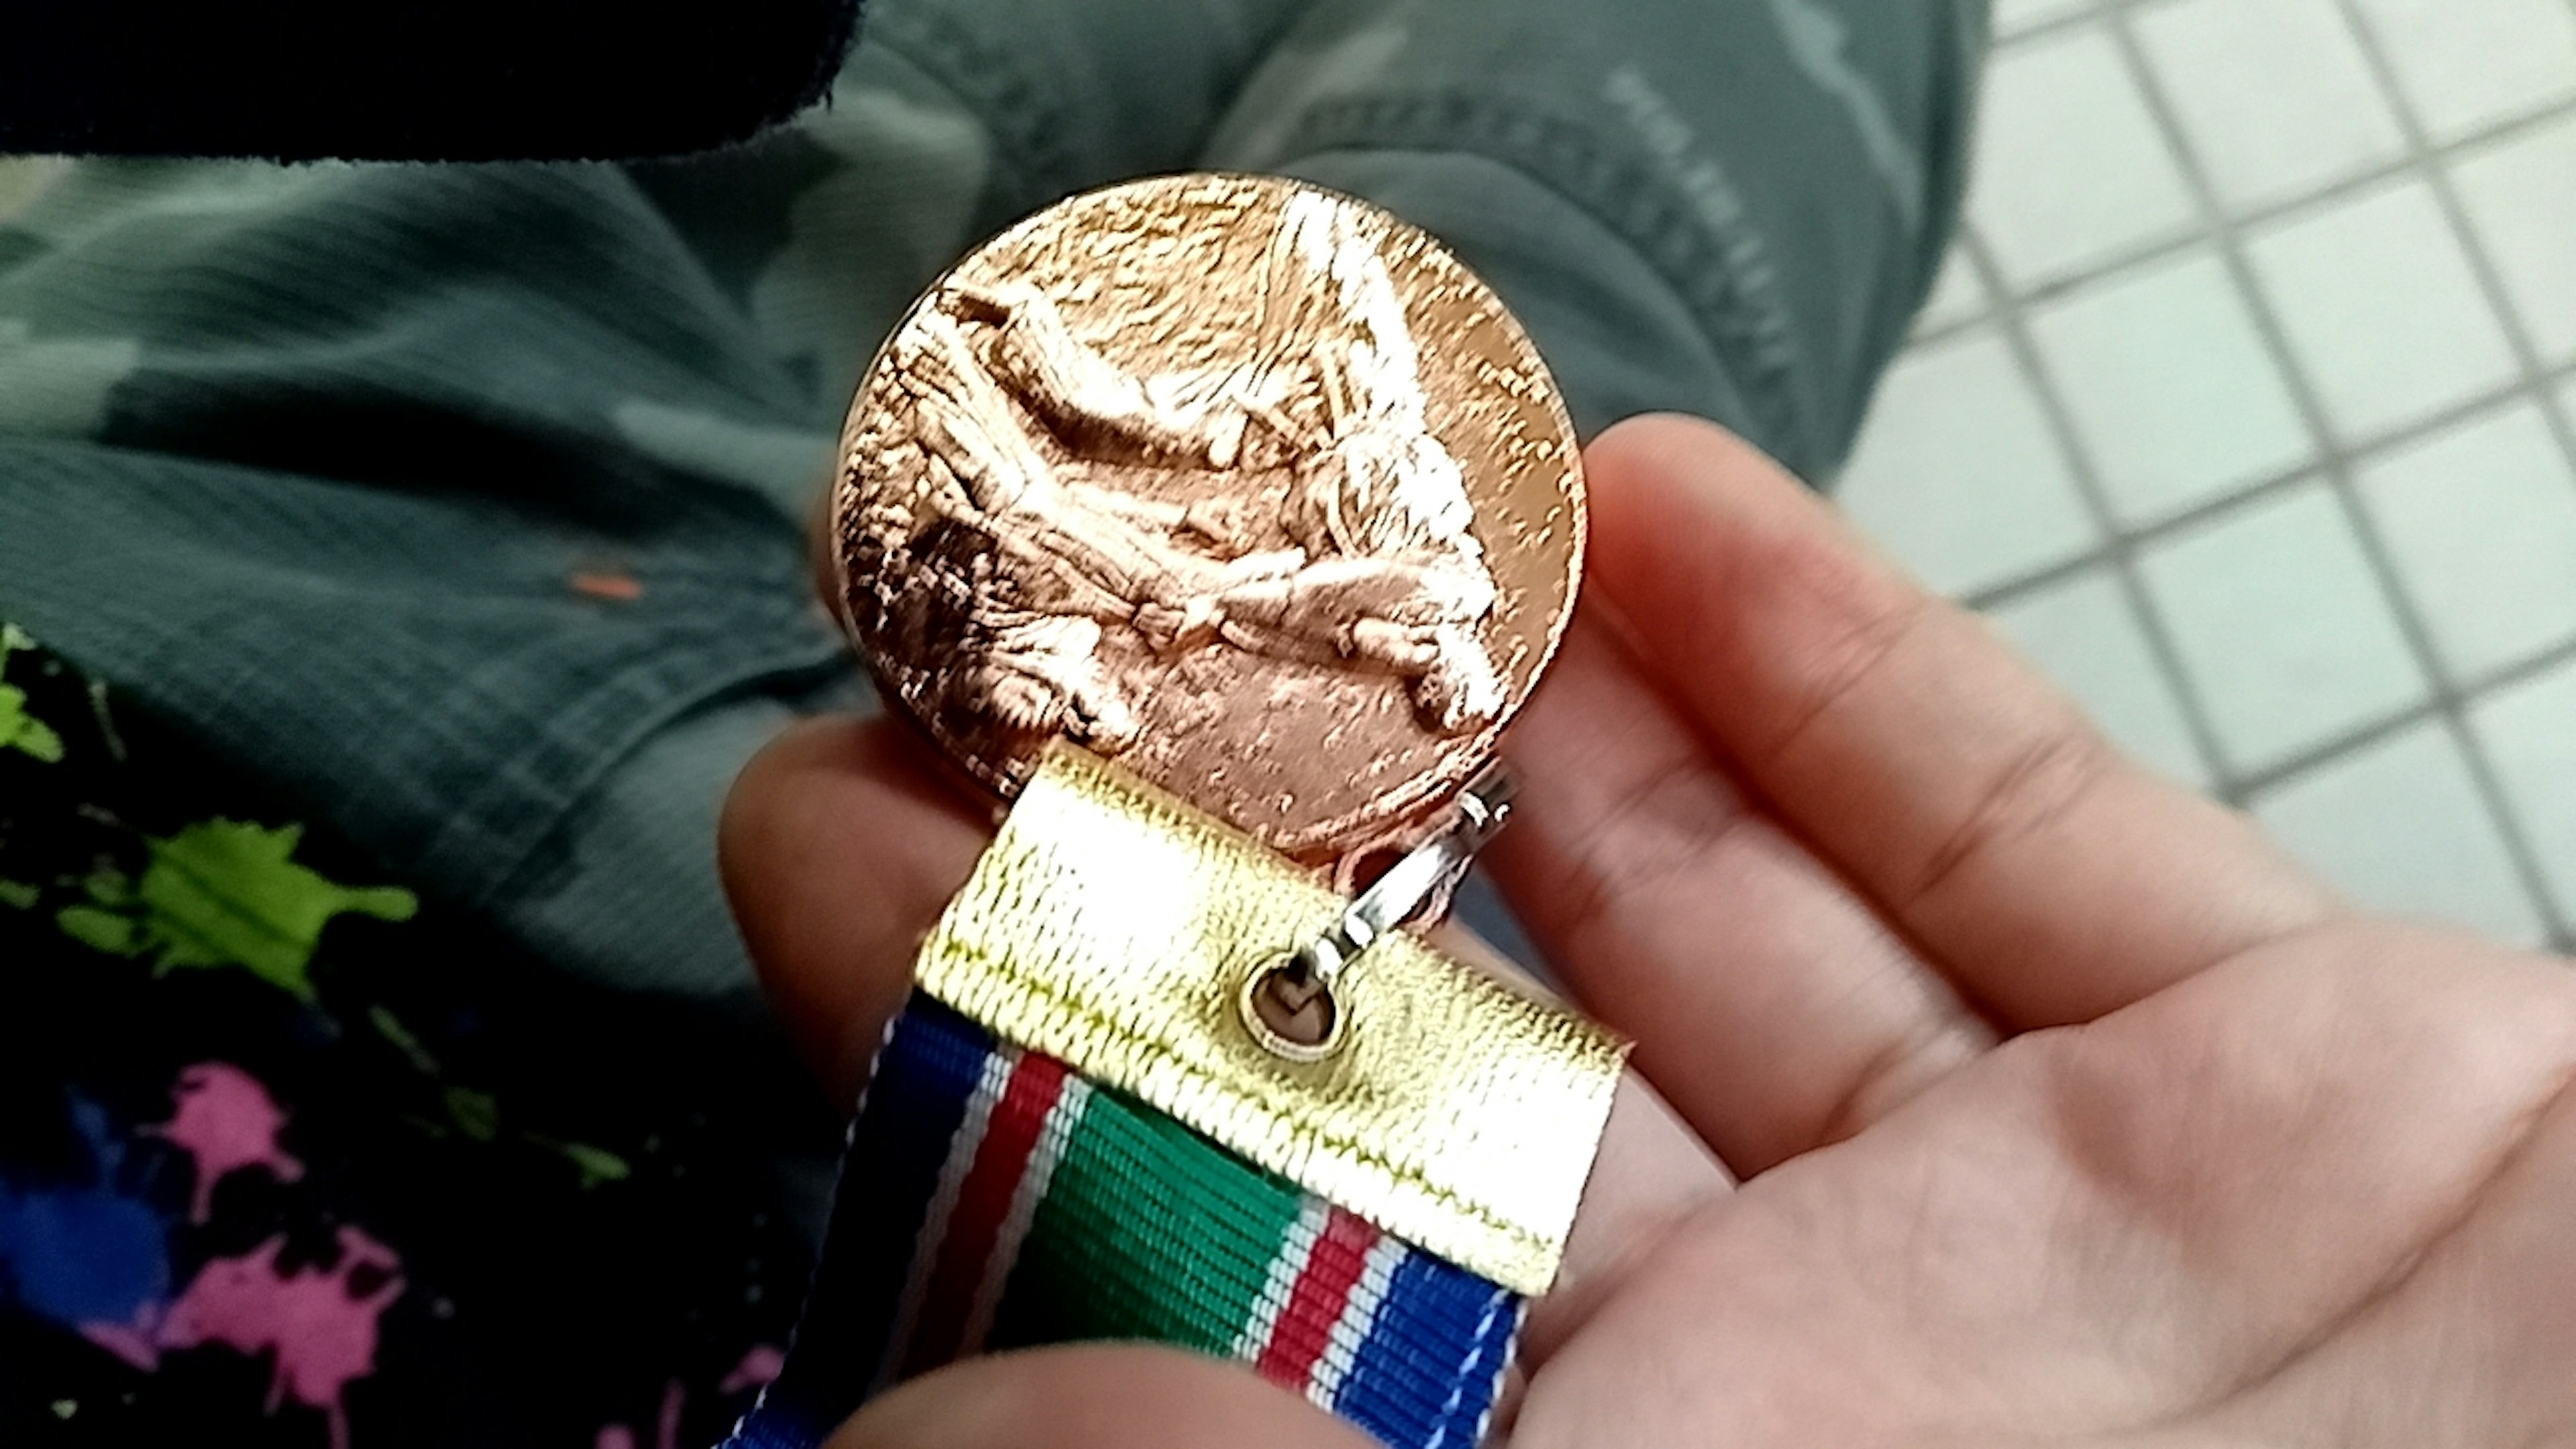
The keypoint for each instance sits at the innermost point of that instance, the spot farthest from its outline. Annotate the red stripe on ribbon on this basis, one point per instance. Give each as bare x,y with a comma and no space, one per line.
983,1201
1315,1302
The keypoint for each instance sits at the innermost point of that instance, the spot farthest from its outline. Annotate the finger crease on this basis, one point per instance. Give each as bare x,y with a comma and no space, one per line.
1601,878
1870,1092
1870,648
2040,785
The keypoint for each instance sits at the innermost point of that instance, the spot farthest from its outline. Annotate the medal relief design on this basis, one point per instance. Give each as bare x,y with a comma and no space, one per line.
1240,482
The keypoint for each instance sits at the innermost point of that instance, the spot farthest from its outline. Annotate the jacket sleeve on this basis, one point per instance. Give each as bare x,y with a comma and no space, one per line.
1726,207
464,506
1723,207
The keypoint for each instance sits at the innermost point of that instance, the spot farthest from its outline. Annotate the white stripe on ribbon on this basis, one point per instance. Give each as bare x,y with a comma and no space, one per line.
1485,1327
943,1204
1286,1266
1054,1135
1358,1316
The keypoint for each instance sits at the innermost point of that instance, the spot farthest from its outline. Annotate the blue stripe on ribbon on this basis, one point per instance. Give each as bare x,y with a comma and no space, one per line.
1427,1371
924,1076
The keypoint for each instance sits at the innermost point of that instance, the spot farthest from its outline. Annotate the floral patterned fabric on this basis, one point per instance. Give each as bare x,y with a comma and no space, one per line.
275,1167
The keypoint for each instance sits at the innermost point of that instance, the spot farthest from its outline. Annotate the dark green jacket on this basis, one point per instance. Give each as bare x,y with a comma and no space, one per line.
458,512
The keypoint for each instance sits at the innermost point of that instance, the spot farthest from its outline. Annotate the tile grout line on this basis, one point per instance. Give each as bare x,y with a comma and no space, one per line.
2165,248
2007,308
2014,327
2337,467
2379,727
2249,495
2433,160
2173,244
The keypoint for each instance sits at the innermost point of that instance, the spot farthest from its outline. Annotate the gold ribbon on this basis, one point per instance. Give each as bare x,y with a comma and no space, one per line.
1111,926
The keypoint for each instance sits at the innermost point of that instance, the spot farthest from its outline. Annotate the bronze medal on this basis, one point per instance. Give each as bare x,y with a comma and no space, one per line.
1219,524
1243,485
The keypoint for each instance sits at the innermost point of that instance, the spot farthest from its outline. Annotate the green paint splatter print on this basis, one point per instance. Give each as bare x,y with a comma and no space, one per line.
20,730
225,893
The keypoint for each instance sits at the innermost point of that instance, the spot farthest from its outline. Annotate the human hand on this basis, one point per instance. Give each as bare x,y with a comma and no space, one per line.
2067,1111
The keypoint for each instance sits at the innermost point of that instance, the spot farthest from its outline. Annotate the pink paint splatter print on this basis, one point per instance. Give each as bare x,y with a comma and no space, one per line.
321,1325
666,1430
133,1342
758,1369
226,1120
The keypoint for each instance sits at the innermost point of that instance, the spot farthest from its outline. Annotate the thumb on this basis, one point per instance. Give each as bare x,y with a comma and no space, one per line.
1093,1396
840,844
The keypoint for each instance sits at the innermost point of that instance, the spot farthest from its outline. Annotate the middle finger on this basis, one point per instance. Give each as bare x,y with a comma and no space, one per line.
1770,1003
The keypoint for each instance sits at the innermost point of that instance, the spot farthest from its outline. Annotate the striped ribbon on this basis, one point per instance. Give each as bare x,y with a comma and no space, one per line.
990,1199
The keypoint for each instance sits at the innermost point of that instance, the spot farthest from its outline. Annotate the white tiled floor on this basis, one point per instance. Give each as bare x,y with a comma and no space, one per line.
2266,132
2481,523
2450,861
2012,505
2524,728
2381,306
2281,625
2066,116
2521,197
2165,437
2245,408
2464,64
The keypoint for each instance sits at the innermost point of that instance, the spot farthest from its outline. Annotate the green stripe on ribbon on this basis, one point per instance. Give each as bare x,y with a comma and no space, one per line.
1148,1231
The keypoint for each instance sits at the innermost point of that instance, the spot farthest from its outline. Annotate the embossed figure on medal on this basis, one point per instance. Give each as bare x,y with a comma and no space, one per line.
1169,477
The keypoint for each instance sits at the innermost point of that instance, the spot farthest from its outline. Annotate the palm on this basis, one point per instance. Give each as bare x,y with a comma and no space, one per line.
2300,1198
2069,1113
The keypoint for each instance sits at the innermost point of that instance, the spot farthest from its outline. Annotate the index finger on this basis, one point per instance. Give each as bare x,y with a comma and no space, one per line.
2048,877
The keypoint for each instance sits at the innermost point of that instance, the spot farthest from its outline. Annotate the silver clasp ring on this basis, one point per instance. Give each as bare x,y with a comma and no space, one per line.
1289,1005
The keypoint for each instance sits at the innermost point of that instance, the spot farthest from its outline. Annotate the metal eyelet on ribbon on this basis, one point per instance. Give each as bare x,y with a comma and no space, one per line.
1289,1006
